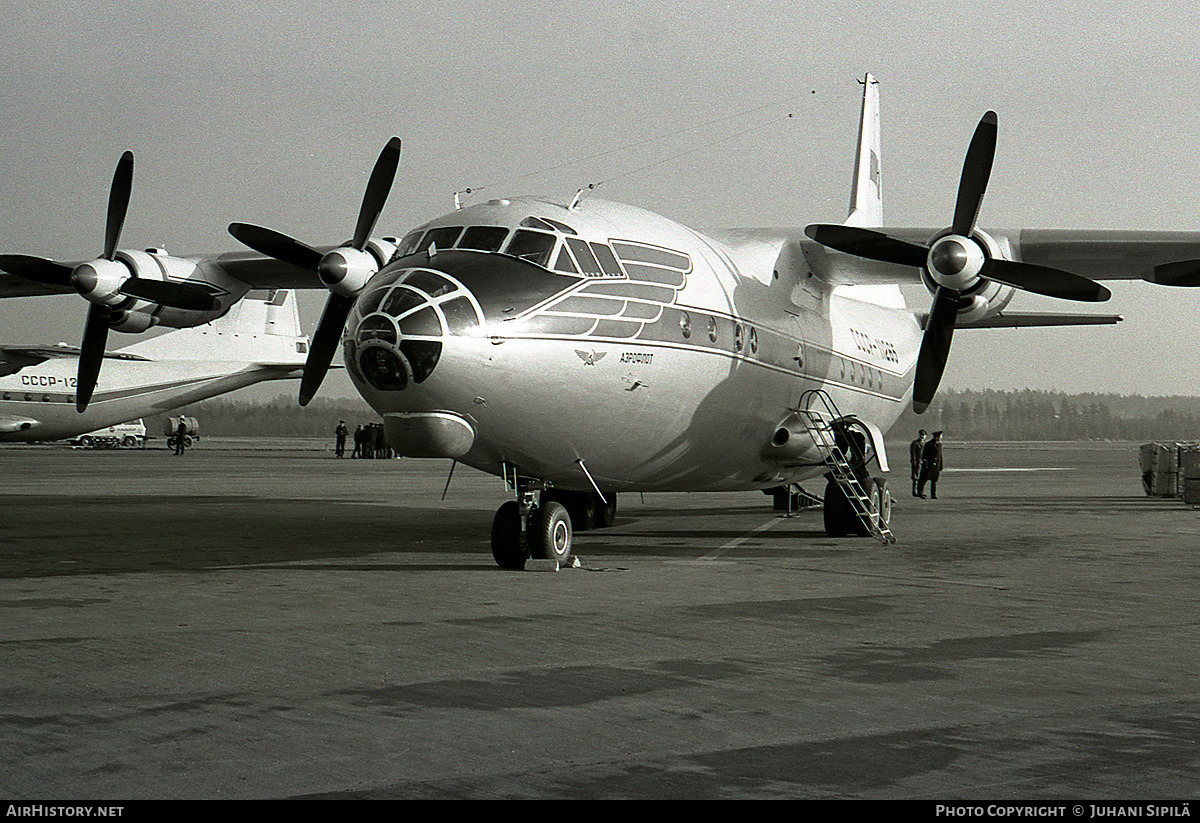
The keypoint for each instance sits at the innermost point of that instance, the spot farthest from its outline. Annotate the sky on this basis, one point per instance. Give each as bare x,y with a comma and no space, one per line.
715,114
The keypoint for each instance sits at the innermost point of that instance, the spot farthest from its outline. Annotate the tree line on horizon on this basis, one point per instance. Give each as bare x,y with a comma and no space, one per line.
966,415
1028,414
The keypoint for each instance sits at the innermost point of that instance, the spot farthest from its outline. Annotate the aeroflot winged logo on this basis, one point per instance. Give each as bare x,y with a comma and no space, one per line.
589,358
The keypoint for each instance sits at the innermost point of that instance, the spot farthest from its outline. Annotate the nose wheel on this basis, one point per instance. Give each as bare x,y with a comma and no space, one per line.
534,525
541,522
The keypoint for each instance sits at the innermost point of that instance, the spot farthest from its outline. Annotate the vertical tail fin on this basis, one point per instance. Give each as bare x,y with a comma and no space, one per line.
866,193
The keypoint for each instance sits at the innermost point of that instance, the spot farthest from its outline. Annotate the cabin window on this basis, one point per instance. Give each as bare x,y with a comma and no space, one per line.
712,329
685,325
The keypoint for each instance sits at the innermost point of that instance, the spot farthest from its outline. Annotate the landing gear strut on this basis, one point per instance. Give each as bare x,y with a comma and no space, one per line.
542,521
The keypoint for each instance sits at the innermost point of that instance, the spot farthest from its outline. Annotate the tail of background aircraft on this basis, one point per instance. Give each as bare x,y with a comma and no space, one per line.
866,192
262,328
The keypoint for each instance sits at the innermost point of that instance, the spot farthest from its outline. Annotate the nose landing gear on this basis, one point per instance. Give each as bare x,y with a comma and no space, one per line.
542,521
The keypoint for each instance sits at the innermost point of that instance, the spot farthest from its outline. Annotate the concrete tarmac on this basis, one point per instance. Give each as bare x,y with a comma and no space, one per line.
258,620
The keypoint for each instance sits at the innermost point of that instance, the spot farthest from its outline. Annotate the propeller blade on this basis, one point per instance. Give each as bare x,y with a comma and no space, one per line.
37,269
324,343
186,296
935,347
868,243
977,168
378,187
1045,280
273,244
91,355
118,204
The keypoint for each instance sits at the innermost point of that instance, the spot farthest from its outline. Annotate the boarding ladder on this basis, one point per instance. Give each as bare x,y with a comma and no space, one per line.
825,423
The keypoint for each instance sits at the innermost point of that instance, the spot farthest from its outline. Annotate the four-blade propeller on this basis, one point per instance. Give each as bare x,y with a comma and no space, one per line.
86,277
343,270
956,261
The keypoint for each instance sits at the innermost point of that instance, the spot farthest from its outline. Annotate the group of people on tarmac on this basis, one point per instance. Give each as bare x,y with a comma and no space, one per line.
926,459
369,441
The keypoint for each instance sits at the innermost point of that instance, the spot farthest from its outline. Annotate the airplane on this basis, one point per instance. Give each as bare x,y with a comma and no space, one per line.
258,340
584,348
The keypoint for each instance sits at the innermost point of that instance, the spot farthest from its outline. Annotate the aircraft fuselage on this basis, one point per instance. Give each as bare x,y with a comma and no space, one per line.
522,336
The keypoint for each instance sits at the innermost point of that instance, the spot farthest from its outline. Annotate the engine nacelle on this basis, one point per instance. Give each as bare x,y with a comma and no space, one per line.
131,322
983,298
345,270
100,282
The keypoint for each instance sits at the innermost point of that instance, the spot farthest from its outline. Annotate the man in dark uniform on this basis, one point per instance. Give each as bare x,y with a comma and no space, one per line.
914,457
180,435
931,465
340,433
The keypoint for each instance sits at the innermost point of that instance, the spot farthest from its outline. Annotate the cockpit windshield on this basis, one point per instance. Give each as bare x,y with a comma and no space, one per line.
534,246
535,241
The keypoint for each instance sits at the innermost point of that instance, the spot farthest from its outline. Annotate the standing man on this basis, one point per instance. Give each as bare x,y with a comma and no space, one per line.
340,433
931,465
914,457
180,434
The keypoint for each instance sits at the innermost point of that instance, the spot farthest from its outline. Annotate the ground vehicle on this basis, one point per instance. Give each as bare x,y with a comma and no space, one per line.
123,435
191,430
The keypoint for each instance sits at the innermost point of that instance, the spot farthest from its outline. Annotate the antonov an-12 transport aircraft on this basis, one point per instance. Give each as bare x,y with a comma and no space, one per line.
580,348
258,340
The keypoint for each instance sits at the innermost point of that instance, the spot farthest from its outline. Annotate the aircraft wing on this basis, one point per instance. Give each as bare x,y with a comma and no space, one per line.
255,270
1166,257
266,272
15,358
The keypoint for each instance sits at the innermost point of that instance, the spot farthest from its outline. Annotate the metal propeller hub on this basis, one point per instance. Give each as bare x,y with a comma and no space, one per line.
346,270
100,280
956,262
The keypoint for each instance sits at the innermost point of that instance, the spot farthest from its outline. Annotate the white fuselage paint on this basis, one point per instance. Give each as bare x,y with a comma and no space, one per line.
675,389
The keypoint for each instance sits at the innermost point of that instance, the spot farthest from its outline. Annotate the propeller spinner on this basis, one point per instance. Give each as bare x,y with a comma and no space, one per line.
103,280
956,261
344,270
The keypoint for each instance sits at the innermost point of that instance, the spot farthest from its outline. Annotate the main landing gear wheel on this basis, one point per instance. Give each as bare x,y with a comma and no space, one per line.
508,548
588,510
550,537
839,515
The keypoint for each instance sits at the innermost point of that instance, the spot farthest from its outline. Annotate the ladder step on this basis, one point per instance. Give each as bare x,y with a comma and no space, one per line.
824,436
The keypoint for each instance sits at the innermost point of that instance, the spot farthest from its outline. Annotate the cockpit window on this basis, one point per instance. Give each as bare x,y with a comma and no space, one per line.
537,223
607,260
564,262
534,246
410,243
584,257
483,238
443,237
563,227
